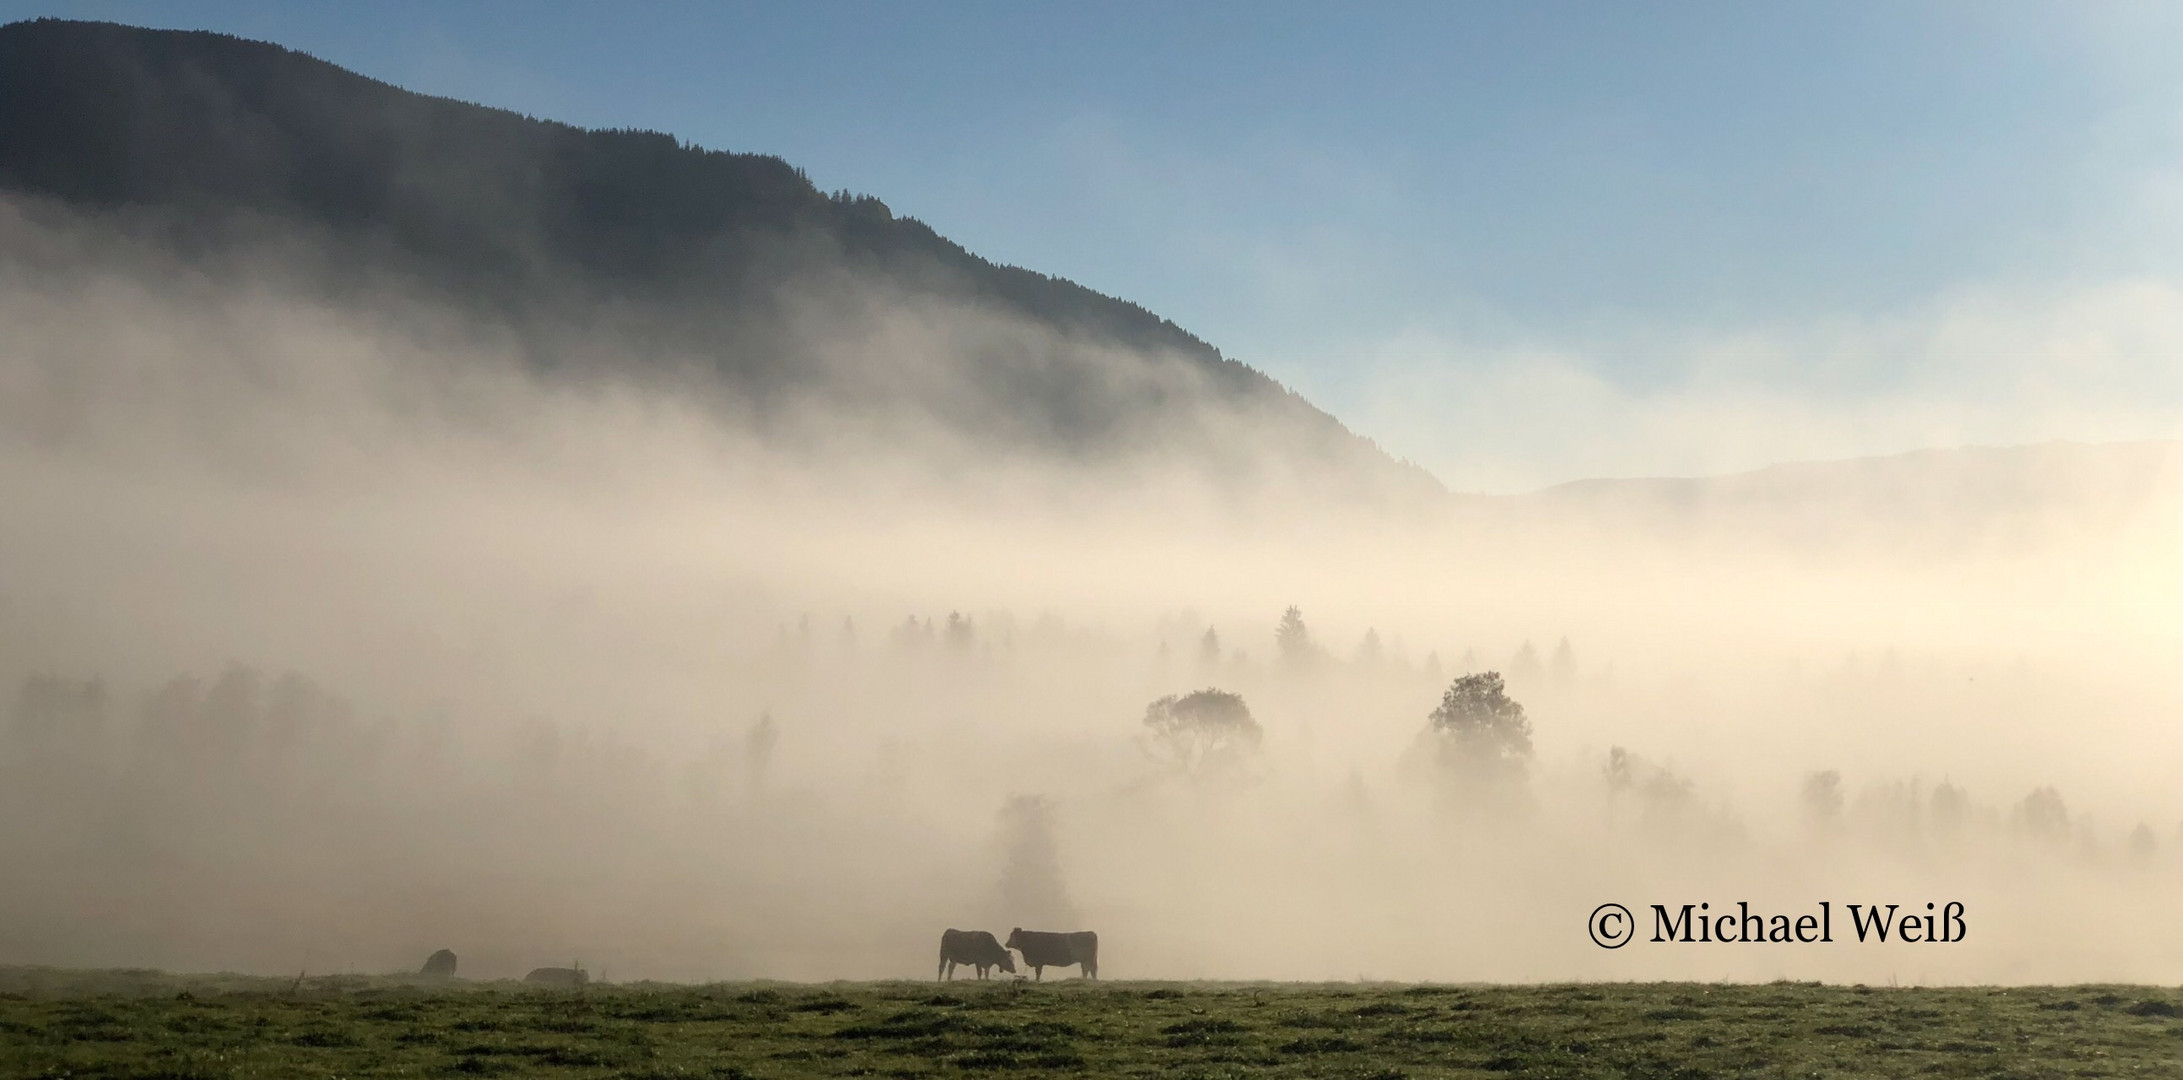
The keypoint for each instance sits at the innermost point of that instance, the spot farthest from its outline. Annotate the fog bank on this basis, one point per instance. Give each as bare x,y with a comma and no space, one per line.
336,631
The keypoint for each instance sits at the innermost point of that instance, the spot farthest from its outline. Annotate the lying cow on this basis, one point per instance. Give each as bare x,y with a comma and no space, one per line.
977,948
1041,949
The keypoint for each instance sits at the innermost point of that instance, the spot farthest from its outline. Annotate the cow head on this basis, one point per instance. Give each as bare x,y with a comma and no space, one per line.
1015,938
1008,962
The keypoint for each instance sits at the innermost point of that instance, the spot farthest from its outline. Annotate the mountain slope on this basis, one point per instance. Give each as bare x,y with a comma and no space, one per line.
686,255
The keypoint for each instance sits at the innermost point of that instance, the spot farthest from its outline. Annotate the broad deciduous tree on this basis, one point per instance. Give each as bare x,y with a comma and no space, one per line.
1202,728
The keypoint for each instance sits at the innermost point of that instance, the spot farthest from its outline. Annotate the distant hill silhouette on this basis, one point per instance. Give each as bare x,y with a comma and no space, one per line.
1940,502
203,140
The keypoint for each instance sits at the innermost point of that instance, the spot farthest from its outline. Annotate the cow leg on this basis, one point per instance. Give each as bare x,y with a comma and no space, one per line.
1038,973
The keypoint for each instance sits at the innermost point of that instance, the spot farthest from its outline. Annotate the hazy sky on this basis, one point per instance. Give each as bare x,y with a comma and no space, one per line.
1518,243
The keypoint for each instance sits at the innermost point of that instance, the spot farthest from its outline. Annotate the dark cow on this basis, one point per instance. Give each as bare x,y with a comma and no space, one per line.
977,948
568,978
441,963
1042,948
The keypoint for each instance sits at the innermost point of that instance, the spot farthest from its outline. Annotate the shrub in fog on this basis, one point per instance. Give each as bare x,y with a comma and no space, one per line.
2042,815
1202,728
758,746
1293,643
1479,732
1660,794
1369,651
1524,667
1821,797
1031,887
1563,668
961,633
1209,649
1949,811
2143,844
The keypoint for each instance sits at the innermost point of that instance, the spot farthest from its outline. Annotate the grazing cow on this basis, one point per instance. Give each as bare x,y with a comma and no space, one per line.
441,963
567,978
977,948
1041,948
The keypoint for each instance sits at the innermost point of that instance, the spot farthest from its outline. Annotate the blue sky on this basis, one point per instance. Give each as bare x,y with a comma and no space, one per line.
1519,243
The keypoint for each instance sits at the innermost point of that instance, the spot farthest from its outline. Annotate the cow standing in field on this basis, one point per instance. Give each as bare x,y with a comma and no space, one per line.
977,948
1042,948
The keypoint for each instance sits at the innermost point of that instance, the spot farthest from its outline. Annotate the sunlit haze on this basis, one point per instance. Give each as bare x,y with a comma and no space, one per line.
761,608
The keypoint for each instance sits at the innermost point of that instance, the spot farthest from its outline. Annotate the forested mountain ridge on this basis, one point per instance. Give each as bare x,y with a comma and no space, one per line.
682,250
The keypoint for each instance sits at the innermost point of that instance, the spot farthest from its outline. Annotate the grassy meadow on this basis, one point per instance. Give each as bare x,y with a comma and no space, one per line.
56,1023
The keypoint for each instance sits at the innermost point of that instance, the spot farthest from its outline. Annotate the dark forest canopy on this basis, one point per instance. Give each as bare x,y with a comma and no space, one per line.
682,255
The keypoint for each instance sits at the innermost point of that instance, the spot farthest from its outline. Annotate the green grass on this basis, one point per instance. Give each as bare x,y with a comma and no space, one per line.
146,1025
